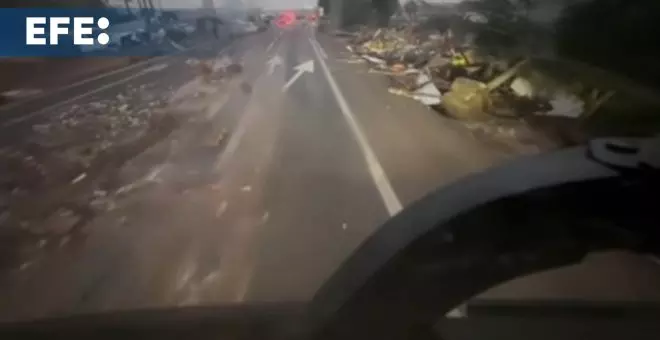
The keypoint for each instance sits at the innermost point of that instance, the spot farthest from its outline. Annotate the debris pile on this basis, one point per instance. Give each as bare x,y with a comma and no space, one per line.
448,71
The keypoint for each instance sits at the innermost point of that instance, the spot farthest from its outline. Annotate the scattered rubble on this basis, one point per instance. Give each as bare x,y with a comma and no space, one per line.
77,160
69,158
438,63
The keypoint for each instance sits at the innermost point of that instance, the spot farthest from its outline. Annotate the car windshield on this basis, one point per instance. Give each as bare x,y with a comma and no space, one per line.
199,155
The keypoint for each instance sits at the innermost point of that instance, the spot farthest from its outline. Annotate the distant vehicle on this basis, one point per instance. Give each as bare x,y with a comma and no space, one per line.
267,18
260,22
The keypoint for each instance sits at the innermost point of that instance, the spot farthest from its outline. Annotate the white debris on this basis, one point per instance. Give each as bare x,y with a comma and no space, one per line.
156,68
97,105
42,243
246,188
427,93
110,205
523,88
344,226
128,187
374,60
351,61
79,178
21,93
476,17
265,217
209,278
186,275
151,177
221,209
221,63
566,105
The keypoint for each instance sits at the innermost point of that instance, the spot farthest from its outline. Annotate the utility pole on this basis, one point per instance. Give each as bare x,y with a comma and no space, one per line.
127,3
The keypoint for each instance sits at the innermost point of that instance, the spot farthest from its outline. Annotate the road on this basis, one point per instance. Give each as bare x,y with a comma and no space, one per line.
262,192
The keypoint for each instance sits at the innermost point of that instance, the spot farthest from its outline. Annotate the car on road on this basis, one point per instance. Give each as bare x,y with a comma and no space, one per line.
267,18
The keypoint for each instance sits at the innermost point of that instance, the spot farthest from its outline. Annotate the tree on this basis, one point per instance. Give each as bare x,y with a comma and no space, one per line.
508,25
411,7
617,35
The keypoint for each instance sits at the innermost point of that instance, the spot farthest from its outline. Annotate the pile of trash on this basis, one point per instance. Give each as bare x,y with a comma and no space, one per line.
430,63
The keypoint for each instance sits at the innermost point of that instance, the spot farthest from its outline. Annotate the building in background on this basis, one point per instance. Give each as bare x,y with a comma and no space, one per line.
209,7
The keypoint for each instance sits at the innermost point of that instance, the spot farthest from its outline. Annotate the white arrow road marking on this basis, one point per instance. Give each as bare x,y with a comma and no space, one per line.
273,62
272,44
307,66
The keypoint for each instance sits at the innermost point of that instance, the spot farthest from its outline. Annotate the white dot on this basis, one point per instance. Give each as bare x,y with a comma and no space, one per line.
103,39
103,23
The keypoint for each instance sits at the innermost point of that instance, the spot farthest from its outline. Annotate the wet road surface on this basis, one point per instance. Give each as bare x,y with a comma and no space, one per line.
261,192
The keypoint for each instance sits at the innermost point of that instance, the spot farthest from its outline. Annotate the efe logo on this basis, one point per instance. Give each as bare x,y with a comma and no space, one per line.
35,28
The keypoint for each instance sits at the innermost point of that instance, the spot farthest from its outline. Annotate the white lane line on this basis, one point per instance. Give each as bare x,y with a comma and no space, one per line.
89,93
325,55
390,199
319,47
236,137
392,202
274,42
270,46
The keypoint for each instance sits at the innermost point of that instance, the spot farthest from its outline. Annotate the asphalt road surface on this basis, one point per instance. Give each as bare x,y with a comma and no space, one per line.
273,180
